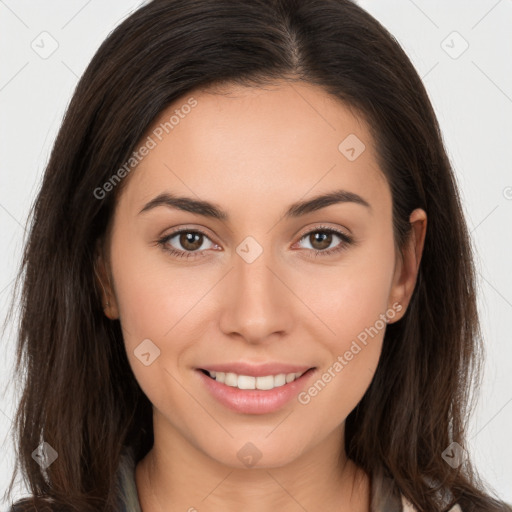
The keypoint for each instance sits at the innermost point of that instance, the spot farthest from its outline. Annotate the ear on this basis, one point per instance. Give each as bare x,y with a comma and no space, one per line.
103,279
408,263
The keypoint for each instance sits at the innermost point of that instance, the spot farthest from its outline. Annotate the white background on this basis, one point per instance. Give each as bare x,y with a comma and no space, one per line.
472,96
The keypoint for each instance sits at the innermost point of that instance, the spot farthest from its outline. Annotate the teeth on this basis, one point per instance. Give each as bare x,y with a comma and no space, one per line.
290,377
266,382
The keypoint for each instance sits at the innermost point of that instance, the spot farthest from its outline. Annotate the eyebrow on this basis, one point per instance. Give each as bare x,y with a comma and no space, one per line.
208,209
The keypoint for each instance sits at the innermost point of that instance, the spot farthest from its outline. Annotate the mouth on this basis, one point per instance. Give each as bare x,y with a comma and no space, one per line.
248,382
255,390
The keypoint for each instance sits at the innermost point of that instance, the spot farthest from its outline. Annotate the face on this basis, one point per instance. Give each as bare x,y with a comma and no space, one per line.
261,283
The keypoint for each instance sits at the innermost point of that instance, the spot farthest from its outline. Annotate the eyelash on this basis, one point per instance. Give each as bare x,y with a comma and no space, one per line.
347,240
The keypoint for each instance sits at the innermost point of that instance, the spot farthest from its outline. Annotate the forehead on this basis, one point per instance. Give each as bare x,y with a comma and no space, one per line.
288,140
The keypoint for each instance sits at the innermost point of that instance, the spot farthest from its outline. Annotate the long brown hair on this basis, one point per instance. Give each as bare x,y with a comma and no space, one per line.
79,393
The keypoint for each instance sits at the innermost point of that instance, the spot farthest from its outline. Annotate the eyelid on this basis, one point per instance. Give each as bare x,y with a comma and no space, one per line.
187,228
324,227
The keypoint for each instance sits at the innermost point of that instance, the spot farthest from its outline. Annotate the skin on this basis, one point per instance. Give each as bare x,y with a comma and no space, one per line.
253,152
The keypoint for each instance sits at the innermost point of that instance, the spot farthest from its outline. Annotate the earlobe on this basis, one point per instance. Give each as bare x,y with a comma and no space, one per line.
103,282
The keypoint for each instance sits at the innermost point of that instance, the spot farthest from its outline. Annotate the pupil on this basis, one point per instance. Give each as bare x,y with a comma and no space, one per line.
187,241
325,239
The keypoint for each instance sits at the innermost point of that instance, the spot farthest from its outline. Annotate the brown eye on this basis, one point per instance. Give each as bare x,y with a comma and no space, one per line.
185,243
320,240
190,240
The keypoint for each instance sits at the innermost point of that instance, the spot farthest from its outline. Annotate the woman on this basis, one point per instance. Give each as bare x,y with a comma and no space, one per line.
231,299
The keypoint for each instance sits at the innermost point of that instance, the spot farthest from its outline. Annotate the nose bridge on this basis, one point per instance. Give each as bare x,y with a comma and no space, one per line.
256,303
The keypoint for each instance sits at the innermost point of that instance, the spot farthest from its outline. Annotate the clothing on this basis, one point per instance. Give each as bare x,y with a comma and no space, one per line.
127,489
129,501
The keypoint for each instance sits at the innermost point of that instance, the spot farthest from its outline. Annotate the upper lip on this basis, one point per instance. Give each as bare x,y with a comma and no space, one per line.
256,370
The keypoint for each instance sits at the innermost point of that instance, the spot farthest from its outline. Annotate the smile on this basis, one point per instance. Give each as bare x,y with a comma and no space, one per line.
265,393
265,382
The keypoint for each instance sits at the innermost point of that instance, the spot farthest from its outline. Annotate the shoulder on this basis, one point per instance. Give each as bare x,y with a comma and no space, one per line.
385,496
126,490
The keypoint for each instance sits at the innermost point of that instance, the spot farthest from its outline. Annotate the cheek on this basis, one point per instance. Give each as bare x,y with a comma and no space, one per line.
352,297
152,296
153,303
347,371
353,303
159,306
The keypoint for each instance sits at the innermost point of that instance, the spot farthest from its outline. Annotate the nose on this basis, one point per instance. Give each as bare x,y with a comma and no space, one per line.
257,305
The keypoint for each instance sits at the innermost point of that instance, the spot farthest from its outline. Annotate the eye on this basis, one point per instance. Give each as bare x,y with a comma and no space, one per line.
321,239
188,242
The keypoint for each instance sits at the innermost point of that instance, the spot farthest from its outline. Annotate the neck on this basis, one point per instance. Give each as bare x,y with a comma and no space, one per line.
176,476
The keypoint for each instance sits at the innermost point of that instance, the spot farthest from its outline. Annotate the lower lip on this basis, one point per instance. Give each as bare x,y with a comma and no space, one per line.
255,401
